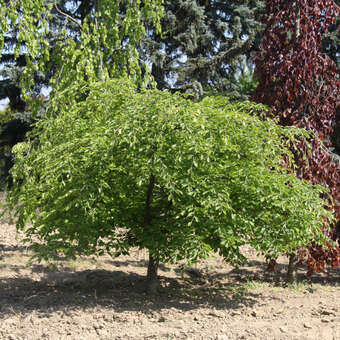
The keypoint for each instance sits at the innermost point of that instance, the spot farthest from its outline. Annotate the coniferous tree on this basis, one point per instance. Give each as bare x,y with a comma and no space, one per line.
16,120
203,44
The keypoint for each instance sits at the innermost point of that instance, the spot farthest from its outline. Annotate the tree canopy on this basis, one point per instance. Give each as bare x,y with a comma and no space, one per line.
154,170
301,84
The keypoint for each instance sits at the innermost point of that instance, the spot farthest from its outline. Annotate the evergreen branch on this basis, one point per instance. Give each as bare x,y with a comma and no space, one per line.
9,57
233,52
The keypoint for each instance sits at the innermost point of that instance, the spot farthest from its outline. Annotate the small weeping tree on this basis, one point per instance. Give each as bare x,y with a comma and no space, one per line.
301,84
112,165
148,169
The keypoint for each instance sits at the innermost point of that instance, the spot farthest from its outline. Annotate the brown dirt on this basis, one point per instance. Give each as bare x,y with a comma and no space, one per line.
104,299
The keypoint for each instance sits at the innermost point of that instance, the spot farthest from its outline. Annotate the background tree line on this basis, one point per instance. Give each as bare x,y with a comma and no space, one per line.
204,47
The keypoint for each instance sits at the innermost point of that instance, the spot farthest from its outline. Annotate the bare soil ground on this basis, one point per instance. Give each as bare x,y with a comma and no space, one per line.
104,299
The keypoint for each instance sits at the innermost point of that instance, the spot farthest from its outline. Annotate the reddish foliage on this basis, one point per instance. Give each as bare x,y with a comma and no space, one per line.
302,86
271,266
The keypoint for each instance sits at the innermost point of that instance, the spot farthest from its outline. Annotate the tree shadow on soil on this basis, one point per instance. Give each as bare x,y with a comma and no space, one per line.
13,248
121,291
257,271
254,271
45,290
142,263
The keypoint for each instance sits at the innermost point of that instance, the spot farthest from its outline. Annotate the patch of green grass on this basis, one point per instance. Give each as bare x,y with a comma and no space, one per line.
299,286
81,264
254,285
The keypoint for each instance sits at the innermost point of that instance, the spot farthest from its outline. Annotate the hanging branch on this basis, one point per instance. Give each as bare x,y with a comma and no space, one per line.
98,43
66,15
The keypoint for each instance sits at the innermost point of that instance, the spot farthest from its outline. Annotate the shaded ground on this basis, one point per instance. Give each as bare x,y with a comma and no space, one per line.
104,299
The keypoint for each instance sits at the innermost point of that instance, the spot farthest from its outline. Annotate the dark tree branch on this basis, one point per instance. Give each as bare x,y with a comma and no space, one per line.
66,15
148,216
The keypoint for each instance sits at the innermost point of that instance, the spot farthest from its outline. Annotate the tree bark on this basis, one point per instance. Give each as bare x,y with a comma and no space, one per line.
291,272
152,278
152,283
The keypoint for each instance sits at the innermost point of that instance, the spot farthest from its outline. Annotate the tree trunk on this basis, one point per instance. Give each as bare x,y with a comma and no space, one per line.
152,283
152,278
291,273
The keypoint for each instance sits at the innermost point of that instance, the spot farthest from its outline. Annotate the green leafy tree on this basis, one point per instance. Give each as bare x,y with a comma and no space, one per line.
105,46
42,44
117,168
67,15
150,169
